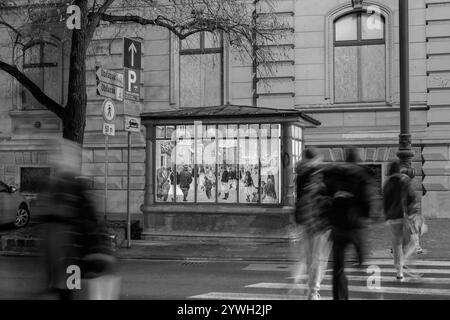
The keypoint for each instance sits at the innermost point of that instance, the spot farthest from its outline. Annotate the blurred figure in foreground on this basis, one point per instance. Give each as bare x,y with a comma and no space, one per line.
315,246
402,217
349,205
73,234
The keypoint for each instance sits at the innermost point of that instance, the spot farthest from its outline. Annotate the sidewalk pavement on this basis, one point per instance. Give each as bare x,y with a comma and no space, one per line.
436,245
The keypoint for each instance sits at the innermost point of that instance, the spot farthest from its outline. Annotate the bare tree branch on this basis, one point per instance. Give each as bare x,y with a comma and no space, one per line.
37,93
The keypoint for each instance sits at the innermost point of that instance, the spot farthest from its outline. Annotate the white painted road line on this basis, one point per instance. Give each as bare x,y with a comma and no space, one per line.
353,288
410,263
256,296
424,280
393,270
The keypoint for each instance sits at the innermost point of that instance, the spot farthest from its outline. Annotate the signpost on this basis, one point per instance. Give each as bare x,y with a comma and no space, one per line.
109,129
132,85
109,77
132,52
109,91
132,124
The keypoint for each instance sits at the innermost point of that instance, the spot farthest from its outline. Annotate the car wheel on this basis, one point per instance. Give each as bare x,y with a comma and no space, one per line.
22,217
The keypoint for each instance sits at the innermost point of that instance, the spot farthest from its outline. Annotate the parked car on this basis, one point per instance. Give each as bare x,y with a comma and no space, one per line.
14,207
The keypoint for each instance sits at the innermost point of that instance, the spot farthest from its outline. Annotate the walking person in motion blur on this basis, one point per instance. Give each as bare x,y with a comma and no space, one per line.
74,237
315,246
347,188
402,216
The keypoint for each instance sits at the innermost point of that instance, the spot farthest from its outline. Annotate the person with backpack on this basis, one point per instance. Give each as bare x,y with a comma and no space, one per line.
346,188
315,246
402,216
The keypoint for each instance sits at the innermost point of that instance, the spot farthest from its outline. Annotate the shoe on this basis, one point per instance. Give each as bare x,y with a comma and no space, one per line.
400,278
314,296
411,273
419,251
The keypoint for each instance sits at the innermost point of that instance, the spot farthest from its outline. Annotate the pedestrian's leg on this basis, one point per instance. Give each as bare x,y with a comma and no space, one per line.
340,291
409,244
397,247
319,255
300,250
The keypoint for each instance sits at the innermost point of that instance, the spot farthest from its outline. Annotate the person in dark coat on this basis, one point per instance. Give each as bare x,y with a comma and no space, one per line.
347,187
224,181
400,199
208,186
185,181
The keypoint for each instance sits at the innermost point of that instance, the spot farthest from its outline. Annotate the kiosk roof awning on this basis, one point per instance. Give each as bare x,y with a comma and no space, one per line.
229,113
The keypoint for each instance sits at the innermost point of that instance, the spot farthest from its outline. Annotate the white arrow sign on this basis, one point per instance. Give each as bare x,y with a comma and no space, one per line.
133,50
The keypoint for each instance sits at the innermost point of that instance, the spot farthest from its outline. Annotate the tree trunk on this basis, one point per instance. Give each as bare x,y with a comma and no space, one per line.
74,120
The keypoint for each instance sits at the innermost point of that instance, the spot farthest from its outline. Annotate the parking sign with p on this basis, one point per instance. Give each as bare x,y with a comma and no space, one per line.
132,84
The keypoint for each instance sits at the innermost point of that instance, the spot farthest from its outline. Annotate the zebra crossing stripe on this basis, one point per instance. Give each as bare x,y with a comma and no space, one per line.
393,270
424,280
256,296
381,263
409,263
395,290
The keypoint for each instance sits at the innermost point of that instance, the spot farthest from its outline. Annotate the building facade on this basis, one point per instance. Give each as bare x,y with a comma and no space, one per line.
338,64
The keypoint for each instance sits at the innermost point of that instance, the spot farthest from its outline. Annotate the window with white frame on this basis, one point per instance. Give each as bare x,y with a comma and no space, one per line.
359,58
201,74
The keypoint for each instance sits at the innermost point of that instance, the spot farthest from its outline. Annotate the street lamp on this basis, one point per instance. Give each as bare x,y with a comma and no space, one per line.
405,153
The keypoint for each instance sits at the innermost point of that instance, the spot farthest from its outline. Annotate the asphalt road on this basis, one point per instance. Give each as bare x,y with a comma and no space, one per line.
22,278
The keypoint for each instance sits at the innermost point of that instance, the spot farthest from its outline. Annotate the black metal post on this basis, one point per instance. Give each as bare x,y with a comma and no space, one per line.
405,153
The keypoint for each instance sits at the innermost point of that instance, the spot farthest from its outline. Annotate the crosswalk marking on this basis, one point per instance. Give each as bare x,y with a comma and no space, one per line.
424,280
269,267
253,296
434,283
436,263
393,270
402,290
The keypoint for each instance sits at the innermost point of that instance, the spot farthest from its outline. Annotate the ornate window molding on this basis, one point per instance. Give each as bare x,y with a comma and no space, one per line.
345,9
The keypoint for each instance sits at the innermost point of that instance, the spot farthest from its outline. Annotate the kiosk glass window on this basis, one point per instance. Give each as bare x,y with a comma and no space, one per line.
206,163
218,163
248,166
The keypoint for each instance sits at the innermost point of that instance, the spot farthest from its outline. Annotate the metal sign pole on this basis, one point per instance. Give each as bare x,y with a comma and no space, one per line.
128,192
106,173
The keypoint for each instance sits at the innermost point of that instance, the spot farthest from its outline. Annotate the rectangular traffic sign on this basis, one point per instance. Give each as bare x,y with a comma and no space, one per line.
109,91
132,84
132,124
108,76
132,51
109,129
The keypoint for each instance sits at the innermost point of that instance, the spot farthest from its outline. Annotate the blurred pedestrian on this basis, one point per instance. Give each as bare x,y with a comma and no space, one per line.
74,237
402,216
347,188
315,245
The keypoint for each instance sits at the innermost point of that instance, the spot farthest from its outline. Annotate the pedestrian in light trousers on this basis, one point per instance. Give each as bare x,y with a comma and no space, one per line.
315,246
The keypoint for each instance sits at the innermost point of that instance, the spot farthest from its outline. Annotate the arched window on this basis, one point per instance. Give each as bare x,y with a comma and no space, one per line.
41,63
201,70
359,58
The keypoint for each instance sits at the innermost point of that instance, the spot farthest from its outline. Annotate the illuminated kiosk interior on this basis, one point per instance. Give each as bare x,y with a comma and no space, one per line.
222,171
